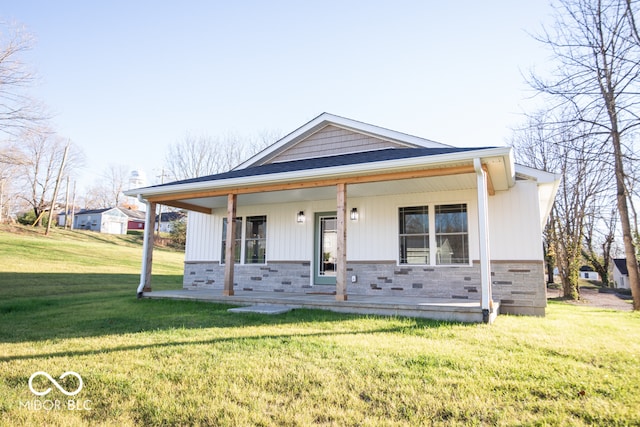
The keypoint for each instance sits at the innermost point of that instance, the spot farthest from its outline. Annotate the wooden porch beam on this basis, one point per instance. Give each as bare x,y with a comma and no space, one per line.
341,250
230,252
188,206
490,189
364,179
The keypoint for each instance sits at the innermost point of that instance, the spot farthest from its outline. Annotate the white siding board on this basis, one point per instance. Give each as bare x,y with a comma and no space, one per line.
203,232
514,223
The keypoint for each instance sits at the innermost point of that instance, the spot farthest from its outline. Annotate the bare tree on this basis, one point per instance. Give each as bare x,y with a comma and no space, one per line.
599,239
197,156
549,145
597,76
107,191
18,111
42,154
9,161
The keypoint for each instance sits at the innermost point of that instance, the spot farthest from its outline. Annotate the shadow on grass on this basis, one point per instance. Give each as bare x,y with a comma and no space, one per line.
248,340
41,307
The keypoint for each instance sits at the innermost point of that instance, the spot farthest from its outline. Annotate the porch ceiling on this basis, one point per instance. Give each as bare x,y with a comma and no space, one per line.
405,186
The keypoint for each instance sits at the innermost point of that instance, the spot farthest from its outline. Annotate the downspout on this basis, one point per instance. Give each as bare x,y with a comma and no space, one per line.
147,221
483,232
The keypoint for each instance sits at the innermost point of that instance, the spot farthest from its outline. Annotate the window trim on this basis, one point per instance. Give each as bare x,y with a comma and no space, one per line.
433,248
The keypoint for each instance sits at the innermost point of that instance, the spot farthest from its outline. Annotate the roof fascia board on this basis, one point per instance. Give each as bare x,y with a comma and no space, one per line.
324,173
537,174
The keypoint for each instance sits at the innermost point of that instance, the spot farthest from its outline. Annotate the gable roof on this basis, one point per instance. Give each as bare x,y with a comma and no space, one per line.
621,265
93,211
133,214
326,121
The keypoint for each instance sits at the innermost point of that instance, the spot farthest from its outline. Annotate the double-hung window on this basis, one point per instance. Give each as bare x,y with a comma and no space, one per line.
255,240
238,239
414,235
250,241
441,238
452,234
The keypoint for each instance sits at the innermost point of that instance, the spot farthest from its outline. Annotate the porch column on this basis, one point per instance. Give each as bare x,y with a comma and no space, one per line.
341,261
229,256
483,235
147,249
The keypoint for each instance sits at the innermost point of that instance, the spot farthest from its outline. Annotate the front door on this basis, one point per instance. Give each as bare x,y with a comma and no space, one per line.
326,248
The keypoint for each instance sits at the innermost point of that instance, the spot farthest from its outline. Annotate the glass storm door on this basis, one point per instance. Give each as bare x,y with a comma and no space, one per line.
326,248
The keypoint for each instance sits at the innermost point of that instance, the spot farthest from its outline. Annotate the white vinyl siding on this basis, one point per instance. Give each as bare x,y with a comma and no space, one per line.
513,219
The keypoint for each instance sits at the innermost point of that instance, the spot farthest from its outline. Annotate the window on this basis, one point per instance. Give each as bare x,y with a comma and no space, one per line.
250,242
452,235
446,231
414,235
255,240
238,239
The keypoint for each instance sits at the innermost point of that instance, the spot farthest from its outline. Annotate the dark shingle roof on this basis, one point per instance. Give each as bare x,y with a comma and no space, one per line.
327,162
621,264
93,211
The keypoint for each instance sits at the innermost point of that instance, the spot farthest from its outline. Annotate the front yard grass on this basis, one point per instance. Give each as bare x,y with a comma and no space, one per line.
160,362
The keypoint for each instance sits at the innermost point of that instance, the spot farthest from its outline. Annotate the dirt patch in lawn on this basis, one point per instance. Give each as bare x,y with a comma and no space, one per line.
596,297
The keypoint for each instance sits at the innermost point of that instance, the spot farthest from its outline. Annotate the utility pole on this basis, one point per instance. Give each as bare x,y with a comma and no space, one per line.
66,206
1,198
55,190
73,206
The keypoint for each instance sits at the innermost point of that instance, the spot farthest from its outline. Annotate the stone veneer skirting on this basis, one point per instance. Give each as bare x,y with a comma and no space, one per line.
517,285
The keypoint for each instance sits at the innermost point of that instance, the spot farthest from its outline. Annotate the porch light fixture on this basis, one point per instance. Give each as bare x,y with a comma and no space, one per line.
300,217
354,214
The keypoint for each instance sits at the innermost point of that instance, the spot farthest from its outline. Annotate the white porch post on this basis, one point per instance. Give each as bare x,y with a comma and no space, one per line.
341,261
147,249
483,229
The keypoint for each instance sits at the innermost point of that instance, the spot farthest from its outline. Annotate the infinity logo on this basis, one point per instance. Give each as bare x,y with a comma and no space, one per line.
55,383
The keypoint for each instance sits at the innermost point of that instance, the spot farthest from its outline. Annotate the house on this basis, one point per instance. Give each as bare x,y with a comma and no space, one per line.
135,220
343,207
109,220
620,273
587,273
164,220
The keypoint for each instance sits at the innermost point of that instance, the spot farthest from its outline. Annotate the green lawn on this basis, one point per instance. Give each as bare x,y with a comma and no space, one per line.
67,303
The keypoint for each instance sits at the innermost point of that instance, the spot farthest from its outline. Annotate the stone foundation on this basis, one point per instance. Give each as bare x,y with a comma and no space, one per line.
517,285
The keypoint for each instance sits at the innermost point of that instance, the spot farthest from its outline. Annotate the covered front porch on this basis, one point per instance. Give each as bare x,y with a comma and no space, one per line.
407,175
454,310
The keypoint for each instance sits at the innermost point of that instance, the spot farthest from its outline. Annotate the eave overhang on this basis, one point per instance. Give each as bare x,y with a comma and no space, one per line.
498,162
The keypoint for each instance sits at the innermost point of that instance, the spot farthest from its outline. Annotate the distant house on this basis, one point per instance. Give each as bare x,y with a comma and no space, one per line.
135,219
587,273
62,218
620,273
109,220
166,218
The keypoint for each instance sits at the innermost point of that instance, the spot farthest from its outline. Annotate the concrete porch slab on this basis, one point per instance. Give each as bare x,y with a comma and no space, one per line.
454,310
262,309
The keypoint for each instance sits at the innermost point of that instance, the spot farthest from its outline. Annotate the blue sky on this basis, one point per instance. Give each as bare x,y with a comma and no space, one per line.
125,79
